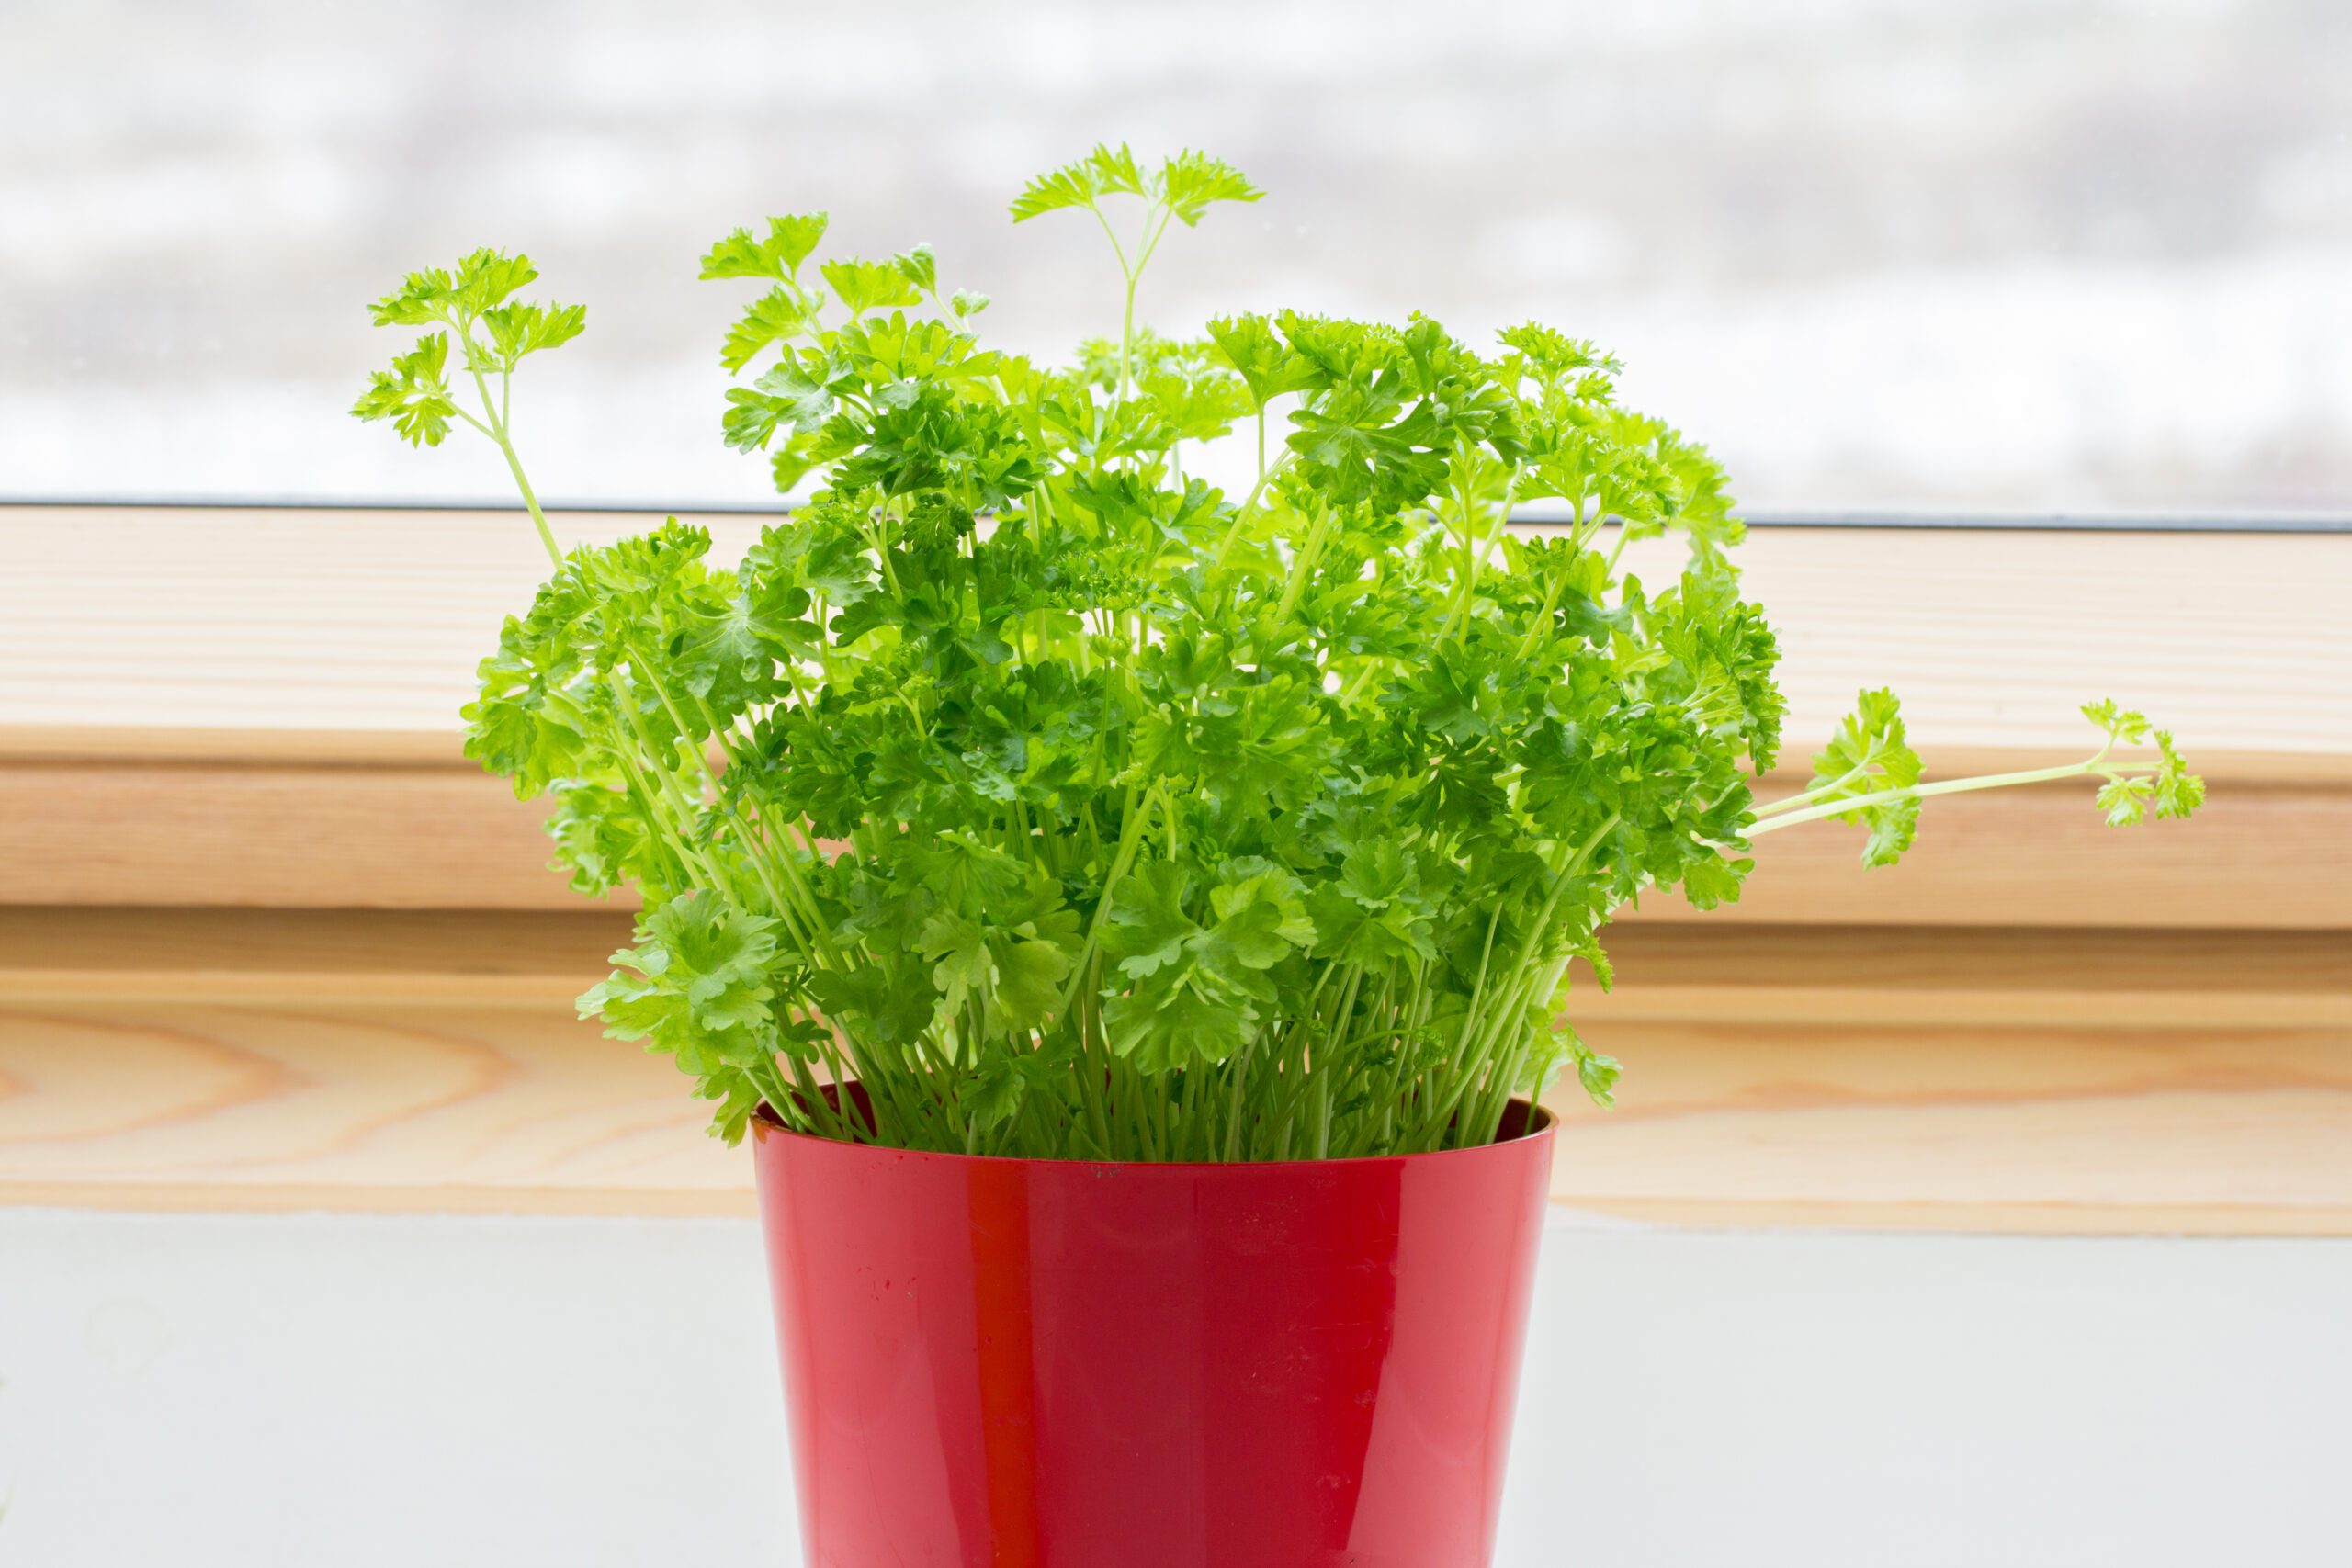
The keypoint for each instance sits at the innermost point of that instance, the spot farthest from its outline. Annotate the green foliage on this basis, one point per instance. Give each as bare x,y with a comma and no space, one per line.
699,986
1267,364
1077,807
1101,173
778,314
472,302
1868,774
863,285
2129,797
788,244
1186,185
1867,756
470,306
413,394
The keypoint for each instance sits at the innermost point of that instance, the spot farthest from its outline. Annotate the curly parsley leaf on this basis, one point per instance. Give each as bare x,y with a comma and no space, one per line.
1101,173
1189,182
413,394
863,285
778,314
697,987
778,255
1867,755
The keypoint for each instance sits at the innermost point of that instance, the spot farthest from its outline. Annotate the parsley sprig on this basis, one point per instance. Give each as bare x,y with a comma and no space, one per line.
1867,774
1074,808
470,304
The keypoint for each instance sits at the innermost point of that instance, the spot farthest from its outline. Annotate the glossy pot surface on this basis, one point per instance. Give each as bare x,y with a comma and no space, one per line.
1012,1363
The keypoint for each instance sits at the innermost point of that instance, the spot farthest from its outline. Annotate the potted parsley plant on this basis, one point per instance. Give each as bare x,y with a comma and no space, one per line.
1133,916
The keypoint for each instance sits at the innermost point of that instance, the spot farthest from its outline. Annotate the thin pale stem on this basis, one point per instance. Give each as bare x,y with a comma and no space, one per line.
1921,792
497,431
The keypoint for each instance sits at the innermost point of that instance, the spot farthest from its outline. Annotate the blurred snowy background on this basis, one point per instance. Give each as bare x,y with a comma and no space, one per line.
1990,254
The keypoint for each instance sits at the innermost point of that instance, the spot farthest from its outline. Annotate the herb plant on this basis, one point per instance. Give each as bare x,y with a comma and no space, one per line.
1075,808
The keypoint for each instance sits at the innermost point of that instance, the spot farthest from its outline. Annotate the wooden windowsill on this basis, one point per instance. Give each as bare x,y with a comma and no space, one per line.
267,940
117,818
2095,1081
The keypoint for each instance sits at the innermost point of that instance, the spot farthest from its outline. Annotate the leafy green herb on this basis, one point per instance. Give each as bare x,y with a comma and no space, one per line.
1867,774
1076,808
472,304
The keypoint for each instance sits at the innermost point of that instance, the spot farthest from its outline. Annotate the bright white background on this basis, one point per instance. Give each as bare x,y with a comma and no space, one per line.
2026,255
510,1392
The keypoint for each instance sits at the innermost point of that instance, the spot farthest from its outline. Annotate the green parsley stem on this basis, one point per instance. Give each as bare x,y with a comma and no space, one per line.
1130,842
497,431
1624,537
1302,564
1805,797
1920,792
1543,622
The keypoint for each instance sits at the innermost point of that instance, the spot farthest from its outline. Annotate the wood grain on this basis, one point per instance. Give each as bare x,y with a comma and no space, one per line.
393,750
290,837
119,828
285,944
1996,639
1921,1113
275,619
472,958
1677,960
2030,1080
270,618
307,1103
2112,1081
243,1059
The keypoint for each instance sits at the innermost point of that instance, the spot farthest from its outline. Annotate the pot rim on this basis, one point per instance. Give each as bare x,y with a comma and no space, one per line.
1539,1122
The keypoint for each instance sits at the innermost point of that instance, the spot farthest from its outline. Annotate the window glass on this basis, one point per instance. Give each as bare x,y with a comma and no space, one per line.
1959,255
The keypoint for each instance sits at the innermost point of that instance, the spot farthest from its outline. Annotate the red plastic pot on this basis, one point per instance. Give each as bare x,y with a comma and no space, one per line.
1017,1363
